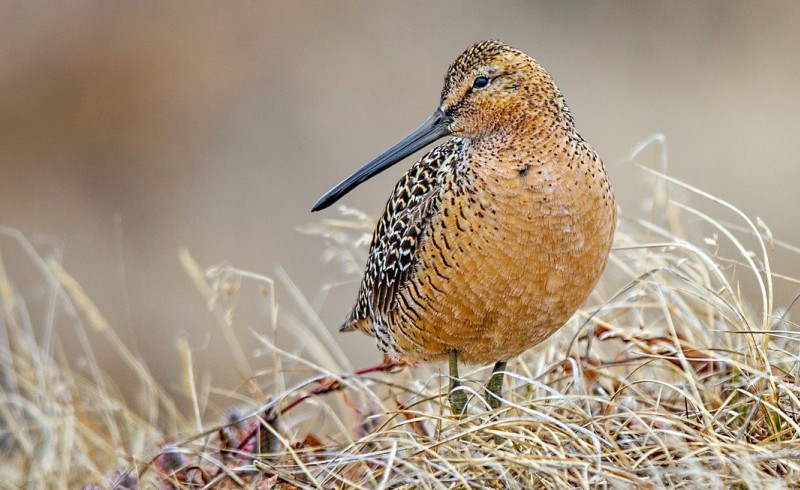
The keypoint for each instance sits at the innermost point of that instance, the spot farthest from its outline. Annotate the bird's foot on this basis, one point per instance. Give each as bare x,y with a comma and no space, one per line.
458,399
494,388
494,393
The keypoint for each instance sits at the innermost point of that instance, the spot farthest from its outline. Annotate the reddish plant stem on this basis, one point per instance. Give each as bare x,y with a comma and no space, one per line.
327,385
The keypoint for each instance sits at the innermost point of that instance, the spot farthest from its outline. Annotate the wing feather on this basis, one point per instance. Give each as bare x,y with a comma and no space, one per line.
406,219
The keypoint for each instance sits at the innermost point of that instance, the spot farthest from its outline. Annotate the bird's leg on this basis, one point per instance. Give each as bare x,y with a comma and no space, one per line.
458,398
494,388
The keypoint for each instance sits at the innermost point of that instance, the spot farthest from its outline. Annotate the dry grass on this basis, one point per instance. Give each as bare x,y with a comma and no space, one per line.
676,375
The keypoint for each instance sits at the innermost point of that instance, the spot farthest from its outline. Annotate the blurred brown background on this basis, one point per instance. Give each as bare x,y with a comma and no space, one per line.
129,129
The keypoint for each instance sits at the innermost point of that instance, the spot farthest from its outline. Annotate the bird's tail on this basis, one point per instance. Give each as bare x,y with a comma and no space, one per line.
348,324
352,323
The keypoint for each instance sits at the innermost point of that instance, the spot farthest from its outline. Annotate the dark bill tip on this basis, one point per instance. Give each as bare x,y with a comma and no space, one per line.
435,127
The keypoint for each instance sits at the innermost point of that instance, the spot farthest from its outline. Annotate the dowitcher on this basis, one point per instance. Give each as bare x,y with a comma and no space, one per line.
491,241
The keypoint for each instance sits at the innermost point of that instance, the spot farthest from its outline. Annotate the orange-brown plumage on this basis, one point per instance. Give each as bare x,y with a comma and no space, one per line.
491,241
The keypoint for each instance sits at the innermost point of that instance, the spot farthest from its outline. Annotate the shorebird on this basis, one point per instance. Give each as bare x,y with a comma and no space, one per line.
492,240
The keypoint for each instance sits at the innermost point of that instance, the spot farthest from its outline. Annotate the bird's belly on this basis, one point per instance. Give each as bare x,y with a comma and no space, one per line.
495,285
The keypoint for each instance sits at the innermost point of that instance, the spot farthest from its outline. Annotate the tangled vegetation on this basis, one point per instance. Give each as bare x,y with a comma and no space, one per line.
680,372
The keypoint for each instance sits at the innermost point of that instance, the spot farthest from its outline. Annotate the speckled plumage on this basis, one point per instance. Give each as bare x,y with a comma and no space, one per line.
491,241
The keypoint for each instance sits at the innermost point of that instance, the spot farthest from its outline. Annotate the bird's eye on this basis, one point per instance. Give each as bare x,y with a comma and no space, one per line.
480,82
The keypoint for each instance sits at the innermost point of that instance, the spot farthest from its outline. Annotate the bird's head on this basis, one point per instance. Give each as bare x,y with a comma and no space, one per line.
492,89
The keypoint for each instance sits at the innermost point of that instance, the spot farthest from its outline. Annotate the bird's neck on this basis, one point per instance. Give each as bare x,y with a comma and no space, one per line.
536,148
541,140
537,165
539,119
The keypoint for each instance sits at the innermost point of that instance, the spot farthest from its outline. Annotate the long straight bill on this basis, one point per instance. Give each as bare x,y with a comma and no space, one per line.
432,129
